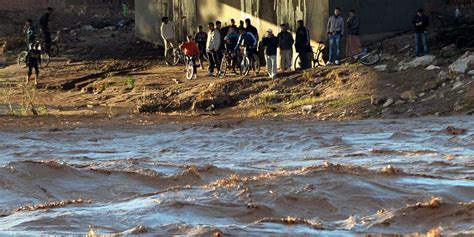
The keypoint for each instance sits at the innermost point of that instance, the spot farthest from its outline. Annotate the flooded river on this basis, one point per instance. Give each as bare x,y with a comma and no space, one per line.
248,178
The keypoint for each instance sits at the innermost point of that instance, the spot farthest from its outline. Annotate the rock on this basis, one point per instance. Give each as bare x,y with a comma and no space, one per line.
374,100
449,51
432,67
443,75
307,109
431,85
417,62
409,95
388,103
421,94
458,84
470,73
463,64
381,68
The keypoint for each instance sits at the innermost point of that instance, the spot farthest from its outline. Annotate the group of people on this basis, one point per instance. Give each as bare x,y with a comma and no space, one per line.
218,39
214,43
33,58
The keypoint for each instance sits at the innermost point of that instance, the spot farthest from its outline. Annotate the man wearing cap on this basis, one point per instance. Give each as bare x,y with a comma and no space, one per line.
270,43
285,43
303,45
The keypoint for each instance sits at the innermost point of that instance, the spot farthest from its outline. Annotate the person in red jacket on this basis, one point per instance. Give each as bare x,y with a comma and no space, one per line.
191,49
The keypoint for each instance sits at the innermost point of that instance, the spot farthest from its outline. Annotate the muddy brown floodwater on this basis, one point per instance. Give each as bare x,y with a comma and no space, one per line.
249,178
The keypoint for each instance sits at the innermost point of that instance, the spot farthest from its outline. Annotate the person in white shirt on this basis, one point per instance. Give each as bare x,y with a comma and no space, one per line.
213,45
168,33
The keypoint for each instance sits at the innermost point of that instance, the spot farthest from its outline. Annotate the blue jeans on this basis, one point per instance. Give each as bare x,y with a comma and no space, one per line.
421,39
335,47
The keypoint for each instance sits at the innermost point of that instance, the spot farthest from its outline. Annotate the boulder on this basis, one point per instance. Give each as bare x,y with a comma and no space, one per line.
417,62
374,100
463,64
470,73
409,95
307,109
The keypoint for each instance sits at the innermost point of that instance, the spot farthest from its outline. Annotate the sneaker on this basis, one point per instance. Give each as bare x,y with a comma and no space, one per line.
329,63
195,76
337,62
210,74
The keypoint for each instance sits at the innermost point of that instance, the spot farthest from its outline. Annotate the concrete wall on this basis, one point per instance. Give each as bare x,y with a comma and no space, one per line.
378,17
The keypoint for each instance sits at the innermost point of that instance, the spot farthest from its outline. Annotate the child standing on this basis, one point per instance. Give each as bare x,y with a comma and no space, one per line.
33,60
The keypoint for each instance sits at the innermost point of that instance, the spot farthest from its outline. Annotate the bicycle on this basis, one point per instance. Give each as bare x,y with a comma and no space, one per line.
317,59
190,64
174,56
231,60
53,49
367,57
250,63
45,58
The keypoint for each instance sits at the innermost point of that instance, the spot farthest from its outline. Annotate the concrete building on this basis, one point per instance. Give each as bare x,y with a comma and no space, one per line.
378,17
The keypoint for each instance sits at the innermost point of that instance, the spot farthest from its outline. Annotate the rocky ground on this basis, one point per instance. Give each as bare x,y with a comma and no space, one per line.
106,70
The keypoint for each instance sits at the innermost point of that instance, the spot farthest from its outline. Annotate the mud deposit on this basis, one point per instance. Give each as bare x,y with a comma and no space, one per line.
252,178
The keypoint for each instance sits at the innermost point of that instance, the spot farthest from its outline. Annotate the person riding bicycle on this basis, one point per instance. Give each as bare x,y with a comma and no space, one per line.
191,49
30,33
44,24
231,39
33,60
248,40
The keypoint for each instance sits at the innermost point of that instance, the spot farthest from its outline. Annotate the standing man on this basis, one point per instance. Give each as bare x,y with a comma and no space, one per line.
285,42
33,60
29,31
213,44
270,43
335,31
44,24
250,28
201,38
353,45
223,33
168,33
303,45
421,23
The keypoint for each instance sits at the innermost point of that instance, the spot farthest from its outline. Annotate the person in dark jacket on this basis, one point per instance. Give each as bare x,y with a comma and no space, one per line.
201,38
30,33
353,45
270,43
44,24
33,60
421,23
250,28
303,45
285,42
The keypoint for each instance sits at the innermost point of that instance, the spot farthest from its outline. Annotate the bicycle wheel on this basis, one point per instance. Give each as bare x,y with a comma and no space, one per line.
189,69
22,59
297,65
171,57
245,66
224,67
351,60
256,64
53,50
45,58
235,67
370,58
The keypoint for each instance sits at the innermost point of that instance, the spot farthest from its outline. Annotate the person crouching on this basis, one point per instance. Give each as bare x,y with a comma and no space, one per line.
191,49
